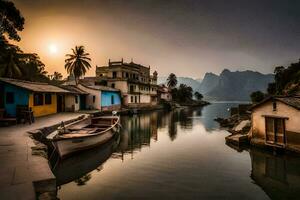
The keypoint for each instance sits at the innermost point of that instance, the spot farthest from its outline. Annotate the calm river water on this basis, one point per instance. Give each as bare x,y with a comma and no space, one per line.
177,155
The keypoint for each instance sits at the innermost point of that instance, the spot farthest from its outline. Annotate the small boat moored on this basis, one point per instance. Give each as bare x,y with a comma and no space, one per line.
84,134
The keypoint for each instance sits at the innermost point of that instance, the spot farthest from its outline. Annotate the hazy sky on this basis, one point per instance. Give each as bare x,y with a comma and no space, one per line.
187,37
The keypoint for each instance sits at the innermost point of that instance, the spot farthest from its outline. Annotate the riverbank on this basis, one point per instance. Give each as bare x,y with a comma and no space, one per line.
25,172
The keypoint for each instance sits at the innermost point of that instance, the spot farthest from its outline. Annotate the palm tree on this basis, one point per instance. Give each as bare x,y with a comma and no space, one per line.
77,63
172,81
57,76
9,65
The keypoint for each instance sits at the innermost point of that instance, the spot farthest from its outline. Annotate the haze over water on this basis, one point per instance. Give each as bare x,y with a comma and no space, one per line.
177,155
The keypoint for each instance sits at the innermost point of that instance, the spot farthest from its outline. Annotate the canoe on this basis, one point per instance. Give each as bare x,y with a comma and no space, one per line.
84,134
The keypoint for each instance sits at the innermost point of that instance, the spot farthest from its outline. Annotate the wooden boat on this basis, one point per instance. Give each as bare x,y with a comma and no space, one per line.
84,134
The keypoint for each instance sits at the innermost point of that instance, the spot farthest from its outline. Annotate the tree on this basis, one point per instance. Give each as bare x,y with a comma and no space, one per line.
271,88
287,80
77,63
198,96
172,80
11,20
9,65
57,76
14,63
257,96
184,93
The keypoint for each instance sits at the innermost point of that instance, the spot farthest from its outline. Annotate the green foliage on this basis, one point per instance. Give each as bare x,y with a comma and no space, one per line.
182,94
257,96
271,88
287,79
33,68
198,96
9,60
14,63
11,20
77,63
172,80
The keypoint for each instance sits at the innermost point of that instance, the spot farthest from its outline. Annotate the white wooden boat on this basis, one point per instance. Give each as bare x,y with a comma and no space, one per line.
84,134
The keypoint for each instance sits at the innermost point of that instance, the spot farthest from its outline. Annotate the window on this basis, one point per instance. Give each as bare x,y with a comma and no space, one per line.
274,105
131,88
135,99
76,99
48,99
94,99
38,99
131,99
112,100
114,74
113,85
10,98
127,75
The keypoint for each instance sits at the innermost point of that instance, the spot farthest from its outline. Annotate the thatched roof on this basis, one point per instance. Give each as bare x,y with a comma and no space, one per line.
34,86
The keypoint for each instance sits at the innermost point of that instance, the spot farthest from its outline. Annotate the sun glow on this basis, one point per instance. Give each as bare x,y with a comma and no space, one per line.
53,49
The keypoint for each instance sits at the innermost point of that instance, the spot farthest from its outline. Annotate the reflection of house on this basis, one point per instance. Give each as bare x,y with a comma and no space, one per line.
137,86
164,93
42,98
278,176
275,122
101,97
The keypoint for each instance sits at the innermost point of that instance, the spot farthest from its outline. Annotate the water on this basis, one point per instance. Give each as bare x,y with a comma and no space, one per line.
177,155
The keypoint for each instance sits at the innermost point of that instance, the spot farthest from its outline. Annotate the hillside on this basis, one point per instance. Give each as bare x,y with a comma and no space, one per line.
237,86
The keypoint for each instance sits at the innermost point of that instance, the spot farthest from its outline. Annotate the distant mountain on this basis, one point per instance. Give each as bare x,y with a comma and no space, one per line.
195,84
237,86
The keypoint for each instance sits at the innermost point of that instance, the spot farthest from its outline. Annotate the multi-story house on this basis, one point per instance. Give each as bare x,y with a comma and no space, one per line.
138,87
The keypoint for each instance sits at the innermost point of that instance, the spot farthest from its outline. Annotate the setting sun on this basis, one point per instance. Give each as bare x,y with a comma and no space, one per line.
53,49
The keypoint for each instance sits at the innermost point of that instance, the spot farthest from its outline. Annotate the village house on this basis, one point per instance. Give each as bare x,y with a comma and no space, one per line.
138,87
41,98
275,122
100,97
164,93
76,100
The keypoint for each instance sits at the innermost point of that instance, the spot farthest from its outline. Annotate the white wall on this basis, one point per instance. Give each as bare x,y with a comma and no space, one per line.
90,104
70,102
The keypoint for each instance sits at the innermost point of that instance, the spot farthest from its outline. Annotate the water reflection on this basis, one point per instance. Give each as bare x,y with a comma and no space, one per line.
77,167
139,130
177,155
278,176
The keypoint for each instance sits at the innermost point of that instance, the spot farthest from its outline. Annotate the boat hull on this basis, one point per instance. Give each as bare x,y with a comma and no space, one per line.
70,146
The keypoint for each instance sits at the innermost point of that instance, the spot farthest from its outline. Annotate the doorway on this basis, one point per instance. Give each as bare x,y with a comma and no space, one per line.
60,103
275,130
82,102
